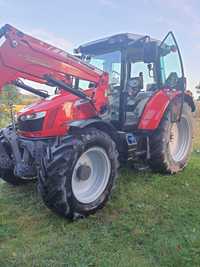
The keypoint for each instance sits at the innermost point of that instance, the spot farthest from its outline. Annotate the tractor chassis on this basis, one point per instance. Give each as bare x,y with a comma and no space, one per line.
23,155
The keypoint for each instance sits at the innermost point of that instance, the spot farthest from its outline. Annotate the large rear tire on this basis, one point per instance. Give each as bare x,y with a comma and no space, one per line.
171,144
7,174
78,178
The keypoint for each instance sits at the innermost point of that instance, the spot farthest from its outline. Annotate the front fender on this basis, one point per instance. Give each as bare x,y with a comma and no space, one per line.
107,127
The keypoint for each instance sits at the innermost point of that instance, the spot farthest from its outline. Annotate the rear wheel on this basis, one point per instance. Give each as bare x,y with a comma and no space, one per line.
78,178
171,144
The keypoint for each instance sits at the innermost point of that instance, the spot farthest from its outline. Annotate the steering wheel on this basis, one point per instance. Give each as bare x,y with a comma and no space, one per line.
172,80
116,72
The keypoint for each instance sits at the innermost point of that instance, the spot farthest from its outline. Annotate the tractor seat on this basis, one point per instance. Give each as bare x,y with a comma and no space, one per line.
134,109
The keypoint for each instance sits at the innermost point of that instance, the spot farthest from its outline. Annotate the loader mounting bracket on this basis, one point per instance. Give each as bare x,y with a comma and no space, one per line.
21,158
5,162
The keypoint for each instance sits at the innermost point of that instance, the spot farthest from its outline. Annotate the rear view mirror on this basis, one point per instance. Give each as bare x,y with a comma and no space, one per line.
182,84
150,52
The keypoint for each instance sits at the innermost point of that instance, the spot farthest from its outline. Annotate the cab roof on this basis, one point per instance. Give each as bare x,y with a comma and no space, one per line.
112,43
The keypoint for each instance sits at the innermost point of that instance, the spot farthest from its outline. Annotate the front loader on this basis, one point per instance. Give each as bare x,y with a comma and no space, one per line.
117,99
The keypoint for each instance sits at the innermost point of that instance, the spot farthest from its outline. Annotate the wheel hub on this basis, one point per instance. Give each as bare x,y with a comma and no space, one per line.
83,173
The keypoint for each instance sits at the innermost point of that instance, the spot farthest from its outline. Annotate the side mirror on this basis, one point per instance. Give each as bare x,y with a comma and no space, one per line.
150,70
182,83
150,52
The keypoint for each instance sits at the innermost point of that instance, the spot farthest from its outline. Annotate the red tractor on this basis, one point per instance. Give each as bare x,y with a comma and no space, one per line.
118,99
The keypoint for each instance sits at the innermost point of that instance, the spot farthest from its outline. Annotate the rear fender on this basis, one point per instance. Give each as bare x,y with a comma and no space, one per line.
157,105
189,99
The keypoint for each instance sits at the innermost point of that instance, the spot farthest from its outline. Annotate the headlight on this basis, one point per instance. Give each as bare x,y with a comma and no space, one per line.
33,116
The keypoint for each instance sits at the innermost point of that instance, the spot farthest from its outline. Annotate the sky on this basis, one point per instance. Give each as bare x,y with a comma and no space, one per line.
67,23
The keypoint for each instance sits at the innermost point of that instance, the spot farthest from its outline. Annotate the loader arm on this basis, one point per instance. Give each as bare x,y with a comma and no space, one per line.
22,56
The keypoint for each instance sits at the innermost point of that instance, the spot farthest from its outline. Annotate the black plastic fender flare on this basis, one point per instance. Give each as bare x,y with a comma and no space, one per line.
189,99
76,126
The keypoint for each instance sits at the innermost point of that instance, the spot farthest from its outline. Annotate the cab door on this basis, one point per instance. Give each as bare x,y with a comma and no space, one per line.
171,64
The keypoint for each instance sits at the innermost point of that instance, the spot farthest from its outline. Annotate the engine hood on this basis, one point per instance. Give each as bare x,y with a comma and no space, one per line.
48,103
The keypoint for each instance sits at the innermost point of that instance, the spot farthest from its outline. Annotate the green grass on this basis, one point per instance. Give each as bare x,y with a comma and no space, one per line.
151,220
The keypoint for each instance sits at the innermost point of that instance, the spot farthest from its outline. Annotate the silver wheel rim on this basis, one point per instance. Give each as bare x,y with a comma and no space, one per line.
92,182
179,143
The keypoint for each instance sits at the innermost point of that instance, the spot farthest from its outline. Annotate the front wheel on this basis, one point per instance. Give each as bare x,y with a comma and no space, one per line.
78,178
171,144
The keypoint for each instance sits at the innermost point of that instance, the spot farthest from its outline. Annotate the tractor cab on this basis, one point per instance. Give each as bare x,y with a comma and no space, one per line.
138,67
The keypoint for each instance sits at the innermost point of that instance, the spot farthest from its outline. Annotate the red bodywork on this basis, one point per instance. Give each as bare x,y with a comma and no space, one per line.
155,109
22,56
60,109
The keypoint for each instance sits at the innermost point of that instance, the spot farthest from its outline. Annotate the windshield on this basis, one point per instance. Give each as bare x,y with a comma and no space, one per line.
111,63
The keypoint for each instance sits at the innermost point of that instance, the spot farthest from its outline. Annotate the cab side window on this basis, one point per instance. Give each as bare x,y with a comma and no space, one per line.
141,67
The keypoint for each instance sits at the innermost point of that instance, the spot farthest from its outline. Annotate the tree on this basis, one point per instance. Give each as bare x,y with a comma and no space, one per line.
8,96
